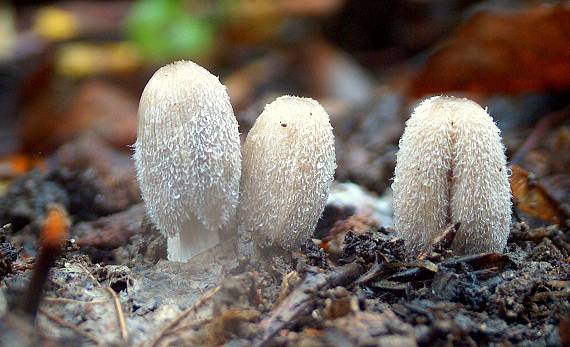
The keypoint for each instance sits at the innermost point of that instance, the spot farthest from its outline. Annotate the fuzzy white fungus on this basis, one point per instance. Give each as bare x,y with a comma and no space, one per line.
288,167
187,157
451,167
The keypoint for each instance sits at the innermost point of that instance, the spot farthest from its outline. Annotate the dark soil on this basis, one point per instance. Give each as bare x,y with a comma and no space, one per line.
364,294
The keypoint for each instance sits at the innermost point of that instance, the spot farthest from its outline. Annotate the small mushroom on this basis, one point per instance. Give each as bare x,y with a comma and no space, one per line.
187,157
288,167
451,168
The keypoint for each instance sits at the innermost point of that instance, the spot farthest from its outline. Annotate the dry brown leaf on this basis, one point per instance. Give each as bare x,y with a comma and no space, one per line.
531,197
497,51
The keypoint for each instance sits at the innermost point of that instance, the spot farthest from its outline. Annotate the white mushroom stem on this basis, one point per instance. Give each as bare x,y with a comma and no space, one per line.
192,240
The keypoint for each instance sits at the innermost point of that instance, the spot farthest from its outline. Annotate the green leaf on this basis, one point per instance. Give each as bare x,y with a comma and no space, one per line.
165,30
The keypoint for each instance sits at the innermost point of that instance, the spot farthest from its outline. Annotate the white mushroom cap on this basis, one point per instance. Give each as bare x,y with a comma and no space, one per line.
480,190
451,167
288,166
420,187
188,157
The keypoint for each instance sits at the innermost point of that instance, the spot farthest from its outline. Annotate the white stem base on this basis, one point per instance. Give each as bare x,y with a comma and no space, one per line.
193,240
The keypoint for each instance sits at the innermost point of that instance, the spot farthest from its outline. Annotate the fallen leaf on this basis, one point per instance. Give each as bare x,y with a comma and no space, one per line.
507,52
531,197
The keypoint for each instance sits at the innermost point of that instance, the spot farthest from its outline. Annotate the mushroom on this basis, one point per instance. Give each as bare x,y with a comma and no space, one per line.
288,167
450,168
187,157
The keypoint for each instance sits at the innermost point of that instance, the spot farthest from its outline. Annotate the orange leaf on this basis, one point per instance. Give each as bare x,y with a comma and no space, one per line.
531,197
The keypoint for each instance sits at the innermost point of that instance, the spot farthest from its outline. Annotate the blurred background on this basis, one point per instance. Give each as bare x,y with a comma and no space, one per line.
71,73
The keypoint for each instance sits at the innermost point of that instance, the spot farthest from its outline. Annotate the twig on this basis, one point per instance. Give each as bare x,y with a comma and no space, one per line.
414,274
73,301
120,315
52,236
377,269
298,302
534,235
70,326
116,302
89,274
474,262
188,326
302,299
477,261
183,315
443,241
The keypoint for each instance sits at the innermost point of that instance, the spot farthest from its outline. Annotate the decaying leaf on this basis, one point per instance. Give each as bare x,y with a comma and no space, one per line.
531,197
509,52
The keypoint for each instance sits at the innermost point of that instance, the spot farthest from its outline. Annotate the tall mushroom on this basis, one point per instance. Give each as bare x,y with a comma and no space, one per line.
187,157
451,167
288,166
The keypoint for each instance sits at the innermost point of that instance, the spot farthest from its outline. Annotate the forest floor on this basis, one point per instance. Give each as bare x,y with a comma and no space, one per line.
351,284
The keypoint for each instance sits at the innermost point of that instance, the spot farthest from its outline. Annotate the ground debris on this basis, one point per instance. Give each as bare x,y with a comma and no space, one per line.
8,255
224,312
369,294
301,300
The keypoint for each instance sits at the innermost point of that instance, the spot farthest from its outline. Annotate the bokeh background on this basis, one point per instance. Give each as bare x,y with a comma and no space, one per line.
71,73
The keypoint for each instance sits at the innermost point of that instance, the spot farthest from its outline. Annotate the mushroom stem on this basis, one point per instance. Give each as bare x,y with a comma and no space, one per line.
193,239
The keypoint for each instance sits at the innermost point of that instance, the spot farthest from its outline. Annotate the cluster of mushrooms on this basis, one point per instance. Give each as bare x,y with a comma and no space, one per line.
200,186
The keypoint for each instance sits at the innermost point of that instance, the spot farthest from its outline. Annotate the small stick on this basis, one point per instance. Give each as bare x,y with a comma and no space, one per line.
120,315
53,234
183,315
89,274
443,241
188,326
70,326
116,302
73,301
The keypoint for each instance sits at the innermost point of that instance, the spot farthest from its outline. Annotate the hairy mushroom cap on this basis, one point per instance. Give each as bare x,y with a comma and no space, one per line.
187,157
480,190
451,167
421,184
288,166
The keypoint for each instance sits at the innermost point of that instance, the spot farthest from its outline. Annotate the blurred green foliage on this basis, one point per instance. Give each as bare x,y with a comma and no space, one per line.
171,29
